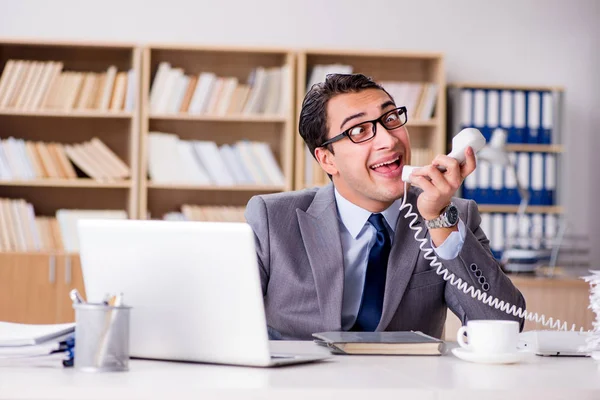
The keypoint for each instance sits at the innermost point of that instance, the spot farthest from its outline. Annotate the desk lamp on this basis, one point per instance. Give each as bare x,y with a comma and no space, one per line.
514,258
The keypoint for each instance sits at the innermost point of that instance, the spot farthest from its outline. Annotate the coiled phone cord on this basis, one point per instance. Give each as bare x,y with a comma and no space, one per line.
430,256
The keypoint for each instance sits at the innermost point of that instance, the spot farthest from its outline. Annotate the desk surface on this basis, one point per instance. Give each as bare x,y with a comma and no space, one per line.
340,378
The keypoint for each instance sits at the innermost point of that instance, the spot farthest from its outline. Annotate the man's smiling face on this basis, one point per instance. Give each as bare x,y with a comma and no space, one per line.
368,174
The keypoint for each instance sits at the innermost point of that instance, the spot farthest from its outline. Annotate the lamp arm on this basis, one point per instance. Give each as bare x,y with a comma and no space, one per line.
523,194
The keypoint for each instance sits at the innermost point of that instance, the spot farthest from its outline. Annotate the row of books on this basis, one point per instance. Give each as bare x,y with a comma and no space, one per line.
27,160
534,231
267,91
191,212
496,184
22,230
527,116
419,98
172,160
43,85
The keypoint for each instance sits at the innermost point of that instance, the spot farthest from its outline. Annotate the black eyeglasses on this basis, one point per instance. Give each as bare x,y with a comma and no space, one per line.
364,131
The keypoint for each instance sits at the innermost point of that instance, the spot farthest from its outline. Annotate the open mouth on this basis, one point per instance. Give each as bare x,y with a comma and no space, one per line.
387,166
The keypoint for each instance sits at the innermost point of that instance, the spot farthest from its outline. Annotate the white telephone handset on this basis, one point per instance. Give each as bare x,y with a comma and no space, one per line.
467,137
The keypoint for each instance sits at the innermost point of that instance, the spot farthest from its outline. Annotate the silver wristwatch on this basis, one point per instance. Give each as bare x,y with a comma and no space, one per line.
447,219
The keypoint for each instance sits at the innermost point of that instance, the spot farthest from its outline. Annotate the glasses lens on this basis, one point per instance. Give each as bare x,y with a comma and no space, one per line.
394,119
361,132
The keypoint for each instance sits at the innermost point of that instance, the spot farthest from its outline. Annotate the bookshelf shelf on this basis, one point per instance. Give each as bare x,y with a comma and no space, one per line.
67,114
425,123
238,67
61,96
69,183
503,86
234,188
428,136
221,118
504,209
536,148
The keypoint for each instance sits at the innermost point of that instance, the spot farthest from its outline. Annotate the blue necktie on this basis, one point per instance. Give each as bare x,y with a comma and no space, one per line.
371,304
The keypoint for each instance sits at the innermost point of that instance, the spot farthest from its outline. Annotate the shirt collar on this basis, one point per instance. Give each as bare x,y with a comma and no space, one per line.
354,217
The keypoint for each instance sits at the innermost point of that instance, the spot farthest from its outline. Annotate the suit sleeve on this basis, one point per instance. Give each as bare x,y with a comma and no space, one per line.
476,266
257,217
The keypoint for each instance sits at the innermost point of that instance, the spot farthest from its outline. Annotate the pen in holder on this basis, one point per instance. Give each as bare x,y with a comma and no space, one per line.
101,337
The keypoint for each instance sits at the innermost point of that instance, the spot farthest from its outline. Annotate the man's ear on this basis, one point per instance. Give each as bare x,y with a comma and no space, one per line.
327,160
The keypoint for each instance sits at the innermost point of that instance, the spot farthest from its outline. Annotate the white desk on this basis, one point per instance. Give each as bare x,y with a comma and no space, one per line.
340,378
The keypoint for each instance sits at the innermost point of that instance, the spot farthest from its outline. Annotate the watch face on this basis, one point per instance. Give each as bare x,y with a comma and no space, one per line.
452,214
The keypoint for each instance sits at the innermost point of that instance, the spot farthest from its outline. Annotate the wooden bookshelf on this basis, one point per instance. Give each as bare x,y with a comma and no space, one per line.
414,67
118,129
35,285
158,198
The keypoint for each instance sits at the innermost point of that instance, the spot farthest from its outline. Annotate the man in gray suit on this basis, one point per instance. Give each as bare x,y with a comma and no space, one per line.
342,257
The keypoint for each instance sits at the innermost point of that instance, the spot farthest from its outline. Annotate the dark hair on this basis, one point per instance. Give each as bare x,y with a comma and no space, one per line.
313,116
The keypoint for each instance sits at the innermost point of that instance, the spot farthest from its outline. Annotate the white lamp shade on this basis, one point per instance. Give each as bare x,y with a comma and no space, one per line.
495,152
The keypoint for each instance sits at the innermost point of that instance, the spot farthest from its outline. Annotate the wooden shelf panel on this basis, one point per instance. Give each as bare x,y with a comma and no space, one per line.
383,66
422,123
160,202
536,148
69,183
75,56
238,63
503,86
46,200
234,188
220,118
67,114
501,208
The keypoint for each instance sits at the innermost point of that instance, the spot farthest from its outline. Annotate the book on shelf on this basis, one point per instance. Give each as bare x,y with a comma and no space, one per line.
380,343
172,160
44,85
173,91
21,230
27,160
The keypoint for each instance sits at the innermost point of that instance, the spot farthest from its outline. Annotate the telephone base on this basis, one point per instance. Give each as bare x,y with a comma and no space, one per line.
554,343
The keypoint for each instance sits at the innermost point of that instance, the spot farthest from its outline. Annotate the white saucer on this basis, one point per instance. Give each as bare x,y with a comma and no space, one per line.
504,358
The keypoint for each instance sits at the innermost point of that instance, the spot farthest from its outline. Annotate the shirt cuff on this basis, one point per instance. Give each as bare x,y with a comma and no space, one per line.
453,243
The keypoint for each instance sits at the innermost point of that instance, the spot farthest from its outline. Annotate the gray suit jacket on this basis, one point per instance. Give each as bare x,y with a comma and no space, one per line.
302,271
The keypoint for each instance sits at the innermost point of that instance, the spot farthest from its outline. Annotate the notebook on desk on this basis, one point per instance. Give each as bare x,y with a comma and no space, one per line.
380,343
194,288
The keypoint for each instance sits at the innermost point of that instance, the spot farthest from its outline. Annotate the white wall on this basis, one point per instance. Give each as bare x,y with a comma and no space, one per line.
545,42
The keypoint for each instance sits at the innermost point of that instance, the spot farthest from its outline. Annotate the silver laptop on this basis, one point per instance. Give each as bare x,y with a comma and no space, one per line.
194,288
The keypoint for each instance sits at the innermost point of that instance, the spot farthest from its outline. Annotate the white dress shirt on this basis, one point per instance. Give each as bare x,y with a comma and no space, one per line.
358,237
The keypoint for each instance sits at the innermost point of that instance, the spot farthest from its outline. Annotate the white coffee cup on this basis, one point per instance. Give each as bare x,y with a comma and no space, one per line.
489,336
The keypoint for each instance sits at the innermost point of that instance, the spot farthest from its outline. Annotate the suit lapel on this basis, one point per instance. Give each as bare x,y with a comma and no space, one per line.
401,264
321,237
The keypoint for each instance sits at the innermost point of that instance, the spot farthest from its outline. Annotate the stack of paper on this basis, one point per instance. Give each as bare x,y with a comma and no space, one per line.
593,341
36,345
